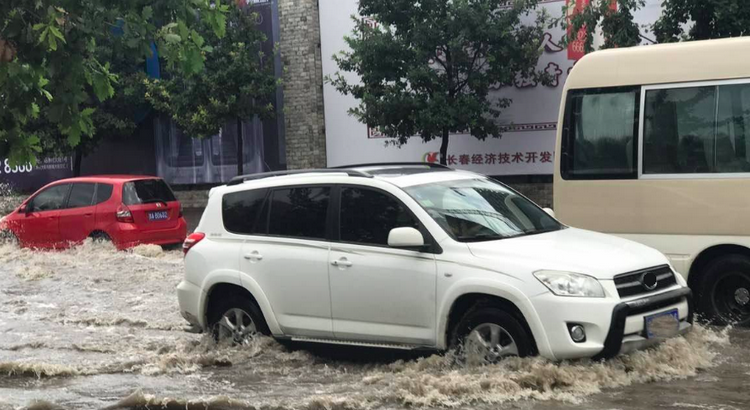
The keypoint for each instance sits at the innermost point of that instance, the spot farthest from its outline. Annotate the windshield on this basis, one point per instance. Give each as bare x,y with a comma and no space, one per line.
472,210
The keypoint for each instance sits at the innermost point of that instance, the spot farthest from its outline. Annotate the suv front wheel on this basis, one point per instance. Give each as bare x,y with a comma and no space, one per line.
236,320
486,335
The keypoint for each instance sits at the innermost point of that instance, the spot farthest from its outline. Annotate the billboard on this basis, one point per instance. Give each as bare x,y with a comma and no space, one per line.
529,124
30,177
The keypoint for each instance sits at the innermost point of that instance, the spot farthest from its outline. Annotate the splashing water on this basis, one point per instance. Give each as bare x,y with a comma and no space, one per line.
101,316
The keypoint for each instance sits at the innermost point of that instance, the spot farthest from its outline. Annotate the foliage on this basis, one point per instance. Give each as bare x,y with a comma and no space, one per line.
709,19
426,67
614,17
57,70
238,81
681,20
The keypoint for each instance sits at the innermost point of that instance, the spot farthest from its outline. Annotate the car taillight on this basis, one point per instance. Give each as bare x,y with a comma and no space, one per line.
191,241
124,215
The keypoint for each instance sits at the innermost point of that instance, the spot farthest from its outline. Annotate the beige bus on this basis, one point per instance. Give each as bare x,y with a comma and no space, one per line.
653,145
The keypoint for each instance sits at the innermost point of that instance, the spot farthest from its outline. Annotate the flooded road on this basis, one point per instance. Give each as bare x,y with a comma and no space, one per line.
93,328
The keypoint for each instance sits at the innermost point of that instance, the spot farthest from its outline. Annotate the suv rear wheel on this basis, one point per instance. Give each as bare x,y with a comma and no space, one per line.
725,290
237,320
486,335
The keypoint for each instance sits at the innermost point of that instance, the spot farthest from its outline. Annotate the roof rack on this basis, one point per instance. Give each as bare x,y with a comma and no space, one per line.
395,164
251,177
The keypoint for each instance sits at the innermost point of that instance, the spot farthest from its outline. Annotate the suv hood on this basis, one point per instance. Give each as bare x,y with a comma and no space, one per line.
599,255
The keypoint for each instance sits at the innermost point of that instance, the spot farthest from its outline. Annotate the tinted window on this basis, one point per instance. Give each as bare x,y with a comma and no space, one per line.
103,193
679,130
82,194
733,129
146,191
240,211
599,135
51,198
299,212
367,216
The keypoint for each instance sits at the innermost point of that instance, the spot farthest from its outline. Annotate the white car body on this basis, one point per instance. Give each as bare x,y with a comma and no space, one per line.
335,292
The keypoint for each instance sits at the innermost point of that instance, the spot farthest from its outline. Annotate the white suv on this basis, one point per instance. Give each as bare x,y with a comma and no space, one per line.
420,256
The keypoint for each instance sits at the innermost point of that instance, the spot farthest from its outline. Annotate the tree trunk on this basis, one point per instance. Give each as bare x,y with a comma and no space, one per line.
77,161
240,149
444,148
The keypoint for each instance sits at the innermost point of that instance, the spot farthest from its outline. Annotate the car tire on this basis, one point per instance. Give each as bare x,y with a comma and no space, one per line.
100,237
724,291
501,334
225,315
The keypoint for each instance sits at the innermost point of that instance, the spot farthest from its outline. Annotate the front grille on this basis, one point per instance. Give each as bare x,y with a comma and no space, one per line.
632,283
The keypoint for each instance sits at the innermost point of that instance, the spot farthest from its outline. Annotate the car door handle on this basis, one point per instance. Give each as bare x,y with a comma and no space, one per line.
253,256
341,262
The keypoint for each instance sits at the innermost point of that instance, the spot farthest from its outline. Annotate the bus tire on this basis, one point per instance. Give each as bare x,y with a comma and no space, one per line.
725,291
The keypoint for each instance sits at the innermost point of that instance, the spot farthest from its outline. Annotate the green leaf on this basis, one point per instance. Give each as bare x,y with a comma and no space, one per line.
172,38
56,32
52,42
34,110
74,135
147,12
38,26
43,36
197,38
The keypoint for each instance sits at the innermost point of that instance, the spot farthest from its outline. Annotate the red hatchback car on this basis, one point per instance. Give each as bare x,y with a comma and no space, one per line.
126,209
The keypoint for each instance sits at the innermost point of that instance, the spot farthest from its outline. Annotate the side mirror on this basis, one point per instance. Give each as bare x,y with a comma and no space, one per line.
23,209
550,212
405,238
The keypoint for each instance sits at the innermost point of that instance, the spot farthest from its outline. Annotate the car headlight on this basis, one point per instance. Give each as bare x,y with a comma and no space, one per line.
570,284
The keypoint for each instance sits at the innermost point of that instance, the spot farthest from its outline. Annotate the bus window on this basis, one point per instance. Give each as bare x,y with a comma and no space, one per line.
697,130
678,133
732,129
599,140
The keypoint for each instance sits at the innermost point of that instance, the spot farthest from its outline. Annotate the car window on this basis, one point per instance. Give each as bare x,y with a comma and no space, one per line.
367,216
240,211
299,212
103,193
481,209
146,191
82,194
50,199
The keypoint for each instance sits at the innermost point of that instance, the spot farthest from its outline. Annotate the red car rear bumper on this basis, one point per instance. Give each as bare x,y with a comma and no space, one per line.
130,235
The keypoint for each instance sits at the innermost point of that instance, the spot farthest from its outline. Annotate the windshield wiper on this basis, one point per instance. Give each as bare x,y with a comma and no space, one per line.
480,237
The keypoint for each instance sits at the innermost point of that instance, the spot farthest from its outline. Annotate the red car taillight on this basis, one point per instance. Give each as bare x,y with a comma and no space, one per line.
124,215
191,241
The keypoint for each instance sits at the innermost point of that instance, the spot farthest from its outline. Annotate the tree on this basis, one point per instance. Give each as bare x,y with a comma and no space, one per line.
681,20
425,68
53,70
614,17
709,19
238,83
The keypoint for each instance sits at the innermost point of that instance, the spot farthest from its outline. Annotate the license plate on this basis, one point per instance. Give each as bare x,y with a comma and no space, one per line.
158,216
663,325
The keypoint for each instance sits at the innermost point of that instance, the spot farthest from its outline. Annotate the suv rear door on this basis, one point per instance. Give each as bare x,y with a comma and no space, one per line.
151,203
287,255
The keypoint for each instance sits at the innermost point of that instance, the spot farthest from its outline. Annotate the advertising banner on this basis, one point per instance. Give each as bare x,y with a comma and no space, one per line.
29,177
530,123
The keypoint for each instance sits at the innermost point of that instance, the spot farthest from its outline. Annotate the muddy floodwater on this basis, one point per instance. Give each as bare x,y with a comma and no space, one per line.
93,328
